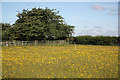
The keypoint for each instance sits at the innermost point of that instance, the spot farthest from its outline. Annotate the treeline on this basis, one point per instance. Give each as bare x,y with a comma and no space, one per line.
7,35
96,40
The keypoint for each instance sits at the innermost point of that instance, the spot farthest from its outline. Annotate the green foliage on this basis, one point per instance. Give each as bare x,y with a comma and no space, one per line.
82,39
96,40
119,40
38,23
6,31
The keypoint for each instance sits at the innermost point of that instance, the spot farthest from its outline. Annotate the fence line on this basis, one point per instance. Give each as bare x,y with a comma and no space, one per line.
32,43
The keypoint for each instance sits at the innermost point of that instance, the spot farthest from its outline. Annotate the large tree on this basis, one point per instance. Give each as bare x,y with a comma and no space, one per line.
41,23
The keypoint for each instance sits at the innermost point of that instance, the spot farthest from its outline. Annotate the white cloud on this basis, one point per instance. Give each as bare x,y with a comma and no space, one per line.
112,11
88,32
94,32
98,7
111,32
97,27
113,14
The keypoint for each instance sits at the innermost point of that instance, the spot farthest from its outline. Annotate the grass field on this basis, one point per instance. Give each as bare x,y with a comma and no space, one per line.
60,61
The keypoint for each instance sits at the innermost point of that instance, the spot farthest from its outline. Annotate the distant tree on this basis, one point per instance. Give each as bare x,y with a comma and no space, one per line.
0,31
119,40
82,39
41,23
96,40
6,31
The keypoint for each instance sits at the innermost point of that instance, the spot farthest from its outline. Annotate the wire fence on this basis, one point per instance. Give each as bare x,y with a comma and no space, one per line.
34,43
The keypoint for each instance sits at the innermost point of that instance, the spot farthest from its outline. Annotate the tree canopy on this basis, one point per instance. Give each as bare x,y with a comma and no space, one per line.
39,24
6,31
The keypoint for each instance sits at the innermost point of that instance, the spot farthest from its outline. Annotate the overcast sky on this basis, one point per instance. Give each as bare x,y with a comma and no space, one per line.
89,18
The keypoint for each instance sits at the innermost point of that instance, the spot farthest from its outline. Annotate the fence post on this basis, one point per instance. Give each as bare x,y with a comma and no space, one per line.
14,43
22,43
65,42
18,43
35,42
6,44
29,43
1,43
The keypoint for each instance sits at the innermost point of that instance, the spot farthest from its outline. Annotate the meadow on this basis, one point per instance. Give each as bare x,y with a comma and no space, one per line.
85,61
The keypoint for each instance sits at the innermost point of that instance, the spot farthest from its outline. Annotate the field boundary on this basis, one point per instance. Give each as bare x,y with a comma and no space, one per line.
33,43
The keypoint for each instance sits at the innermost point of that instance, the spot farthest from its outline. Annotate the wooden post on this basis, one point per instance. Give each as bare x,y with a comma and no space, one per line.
64,41
14,43
10,43
18,43
35,42
22,43
29,43
1,43
6,43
